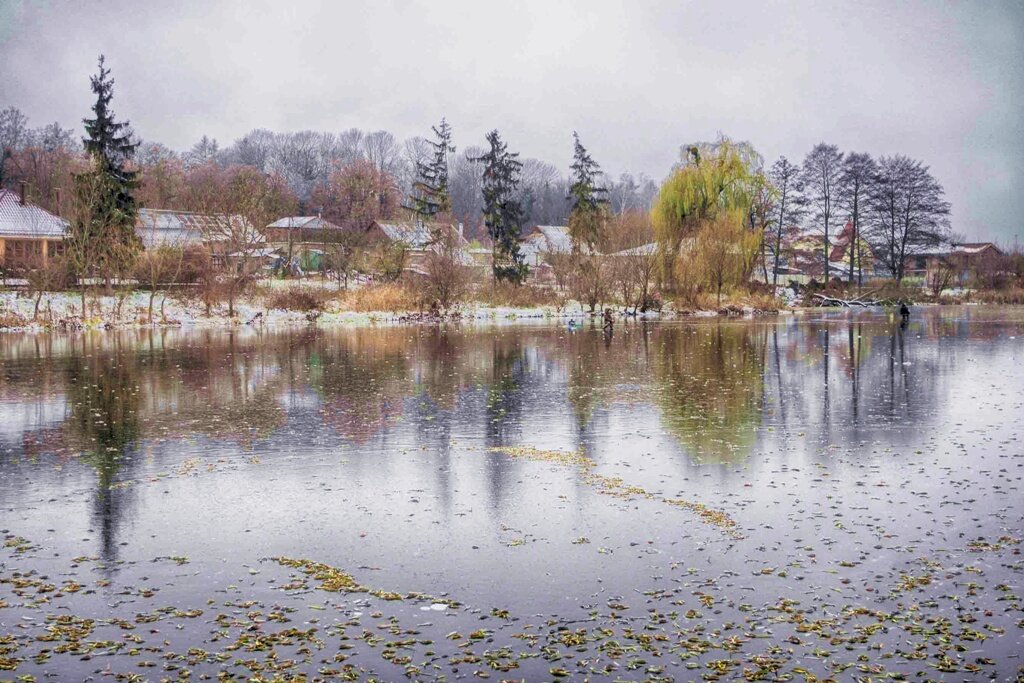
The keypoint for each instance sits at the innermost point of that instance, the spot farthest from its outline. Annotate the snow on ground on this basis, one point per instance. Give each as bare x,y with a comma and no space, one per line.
64,310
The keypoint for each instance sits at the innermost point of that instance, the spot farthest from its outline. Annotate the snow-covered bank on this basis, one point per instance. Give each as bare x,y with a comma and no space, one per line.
63,311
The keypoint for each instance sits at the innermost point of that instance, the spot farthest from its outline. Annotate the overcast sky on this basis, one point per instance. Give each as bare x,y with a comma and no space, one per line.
942,82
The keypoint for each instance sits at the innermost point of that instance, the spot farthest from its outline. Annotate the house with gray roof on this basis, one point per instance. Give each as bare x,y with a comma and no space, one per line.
29,235
300,229
159,227
543,240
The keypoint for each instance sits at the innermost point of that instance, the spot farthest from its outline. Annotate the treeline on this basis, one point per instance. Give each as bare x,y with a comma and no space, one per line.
721,216
350,177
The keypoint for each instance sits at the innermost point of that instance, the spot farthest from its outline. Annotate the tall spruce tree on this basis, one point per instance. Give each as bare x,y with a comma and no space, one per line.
588,200
109,144
503,215
430,195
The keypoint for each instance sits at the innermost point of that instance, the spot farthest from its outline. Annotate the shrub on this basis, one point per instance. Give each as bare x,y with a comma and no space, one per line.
1003,296
509,295
305,299
388,297
448,278
10,319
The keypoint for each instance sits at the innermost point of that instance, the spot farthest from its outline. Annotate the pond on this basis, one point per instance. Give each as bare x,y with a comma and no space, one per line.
823,496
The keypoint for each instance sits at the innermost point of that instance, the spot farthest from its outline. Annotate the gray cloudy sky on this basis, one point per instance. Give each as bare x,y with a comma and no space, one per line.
943,82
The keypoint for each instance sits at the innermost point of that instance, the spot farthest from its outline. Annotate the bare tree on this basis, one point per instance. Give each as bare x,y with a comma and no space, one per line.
350,145
153,154
304,159
591,280
789,207
859,171
41,262
909,212
465,182
206,151
416,151
160,264
448,276
256,148
381,149
633,257
543,194
631,193
13,136
822,180
345,252
91,213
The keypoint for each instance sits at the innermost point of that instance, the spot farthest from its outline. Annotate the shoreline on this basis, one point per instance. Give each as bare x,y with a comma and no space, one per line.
61,313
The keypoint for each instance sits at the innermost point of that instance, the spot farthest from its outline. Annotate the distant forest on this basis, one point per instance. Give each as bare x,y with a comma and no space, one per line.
323,170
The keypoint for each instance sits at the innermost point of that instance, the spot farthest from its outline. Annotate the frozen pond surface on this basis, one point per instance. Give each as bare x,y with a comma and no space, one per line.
806,498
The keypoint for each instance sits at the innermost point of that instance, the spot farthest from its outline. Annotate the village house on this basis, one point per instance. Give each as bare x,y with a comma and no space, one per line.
538,245
839,257
800,259
419,238
542,240
954,265
158,227
29,235
303,239
300,230
228,237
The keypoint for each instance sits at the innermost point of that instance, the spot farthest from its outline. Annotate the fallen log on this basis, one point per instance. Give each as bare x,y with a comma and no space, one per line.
825,300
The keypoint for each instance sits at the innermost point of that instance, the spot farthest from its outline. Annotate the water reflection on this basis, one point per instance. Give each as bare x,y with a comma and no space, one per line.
103,424
717,388
711,387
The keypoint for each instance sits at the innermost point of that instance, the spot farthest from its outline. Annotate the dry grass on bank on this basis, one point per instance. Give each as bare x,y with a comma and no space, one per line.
296,299
394,298
505,295
708,301
1014,295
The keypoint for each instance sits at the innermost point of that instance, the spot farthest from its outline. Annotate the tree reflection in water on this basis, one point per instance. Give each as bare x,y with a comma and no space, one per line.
710,388
103,395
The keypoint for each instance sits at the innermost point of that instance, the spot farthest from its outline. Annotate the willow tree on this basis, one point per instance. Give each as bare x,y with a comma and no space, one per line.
709,195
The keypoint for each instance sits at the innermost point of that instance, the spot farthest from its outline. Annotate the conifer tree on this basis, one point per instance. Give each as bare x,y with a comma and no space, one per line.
430,191
110,146
503,215
588,200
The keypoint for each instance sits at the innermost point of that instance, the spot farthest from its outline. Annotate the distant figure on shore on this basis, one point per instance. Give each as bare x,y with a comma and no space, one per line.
904,311
609,322
572,325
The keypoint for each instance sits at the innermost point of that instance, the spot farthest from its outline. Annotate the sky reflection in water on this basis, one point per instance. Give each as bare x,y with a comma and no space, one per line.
851,453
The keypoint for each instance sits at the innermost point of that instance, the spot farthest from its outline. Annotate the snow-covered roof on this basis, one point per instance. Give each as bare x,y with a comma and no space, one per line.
416,234
29,220
552,237
262,252
969,248
643,250
304,222
164,226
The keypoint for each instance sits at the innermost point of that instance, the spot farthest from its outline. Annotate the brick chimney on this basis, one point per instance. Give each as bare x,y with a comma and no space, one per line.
21,186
